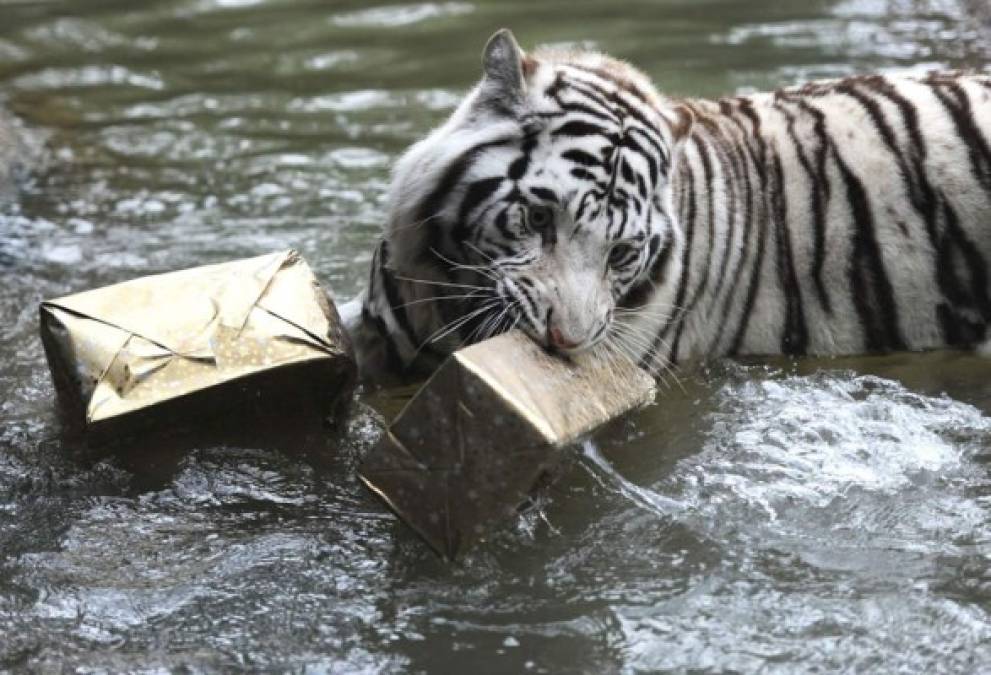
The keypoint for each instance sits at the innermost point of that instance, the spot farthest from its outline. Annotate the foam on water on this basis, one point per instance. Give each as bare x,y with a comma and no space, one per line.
781,447
849,517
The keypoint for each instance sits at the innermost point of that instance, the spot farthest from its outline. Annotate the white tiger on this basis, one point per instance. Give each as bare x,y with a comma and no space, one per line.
567,197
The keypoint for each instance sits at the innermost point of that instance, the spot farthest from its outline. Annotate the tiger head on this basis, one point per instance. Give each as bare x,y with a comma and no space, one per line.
541,203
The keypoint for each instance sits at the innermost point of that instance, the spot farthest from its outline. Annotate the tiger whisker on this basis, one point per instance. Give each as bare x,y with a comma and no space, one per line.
654,303
618,343
645,312
606,351
513,261
514,324
486,274
459,322
635,335
480,252
479,330
495,327
634,346
614,354
430,282
637,338
452,325
480,269
473,294
654,312
633,359
654,319
484,330
417,223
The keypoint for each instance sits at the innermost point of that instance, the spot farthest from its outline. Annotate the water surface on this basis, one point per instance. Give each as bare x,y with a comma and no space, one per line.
818,515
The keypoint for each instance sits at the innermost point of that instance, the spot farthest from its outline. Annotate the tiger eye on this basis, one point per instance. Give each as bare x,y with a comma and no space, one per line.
540,217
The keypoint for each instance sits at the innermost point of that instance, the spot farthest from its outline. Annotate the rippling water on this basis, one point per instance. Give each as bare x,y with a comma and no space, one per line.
818,515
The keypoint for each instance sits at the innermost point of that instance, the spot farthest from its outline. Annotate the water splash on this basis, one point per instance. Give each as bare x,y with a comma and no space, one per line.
607,477
785,449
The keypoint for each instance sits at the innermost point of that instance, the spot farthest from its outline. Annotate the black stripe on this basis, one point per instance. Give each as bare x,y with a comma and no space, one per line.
476,193
394,362
870,287
603,111
760,216
795,336
819,194
630,109
519,166
663,158
920,190
626,171
623,85
582,158
688,175
957,329
393,296
642,188
704,148
455,171
620,230
952,246
580,128
629,143
742,159
606,97
524,287
963,119
545,194
890,139
431,207
588,199
570,108
556,86
582,174
729,187
965,322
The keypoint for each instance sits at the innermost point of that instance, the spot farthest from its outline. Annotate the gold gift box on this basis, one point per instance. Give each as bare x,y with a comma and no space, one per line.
475,441
170,349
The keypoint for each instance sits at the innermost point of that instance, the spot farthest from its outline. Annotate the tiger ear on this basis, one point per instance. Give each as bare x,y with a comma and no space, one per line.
504,63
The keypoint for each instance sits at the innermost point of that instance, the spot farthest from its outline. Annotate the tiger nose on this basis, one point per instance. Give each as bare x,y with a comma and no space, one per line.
557,340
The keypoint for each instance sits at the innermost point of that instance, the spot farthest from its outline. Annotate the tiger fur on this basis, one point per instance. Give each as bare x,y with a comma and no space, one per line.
567,197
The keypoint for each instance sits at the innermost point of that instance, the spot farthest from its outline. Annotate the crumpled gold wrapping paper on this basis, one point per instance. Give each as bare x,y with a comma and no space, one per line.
474,442
194,343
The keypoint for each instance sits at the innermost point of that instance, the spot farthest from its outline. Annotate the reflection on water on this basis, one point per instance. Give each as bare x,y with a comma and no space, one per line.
825,514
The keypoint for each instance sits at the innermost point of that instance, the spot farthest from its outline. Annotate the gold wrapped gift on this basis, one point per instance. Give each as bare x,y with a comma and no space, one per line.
474,442
177,347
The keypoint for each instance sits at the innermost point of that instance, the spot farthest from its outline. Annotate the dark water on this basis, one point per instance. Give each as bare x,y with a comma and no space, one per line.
819,516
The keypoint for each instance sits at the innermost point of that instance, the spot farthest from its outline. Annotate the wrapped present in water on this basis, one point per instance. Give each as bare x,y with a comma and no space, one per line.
173,349
474,442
